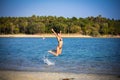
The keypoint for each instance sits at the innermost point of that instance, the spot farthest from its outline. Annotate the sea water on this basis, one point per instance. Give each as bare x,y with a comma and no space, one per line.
79,55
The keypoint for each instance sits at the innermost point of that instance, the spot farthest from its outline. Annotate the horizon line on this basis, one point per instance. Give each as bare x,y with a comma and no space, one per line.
61,16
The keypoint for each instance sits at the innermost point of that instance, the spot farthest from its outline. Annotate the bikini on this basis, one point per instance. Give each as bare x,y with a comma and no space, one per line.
59,42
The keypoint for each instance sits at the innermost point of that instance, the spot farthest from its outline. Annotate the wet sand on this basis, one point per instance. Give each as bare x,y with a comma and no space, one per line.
22,75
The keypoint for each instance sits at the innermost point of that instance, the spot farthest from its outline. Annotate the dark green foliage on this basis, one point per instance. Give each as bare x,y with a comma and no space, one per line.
94,26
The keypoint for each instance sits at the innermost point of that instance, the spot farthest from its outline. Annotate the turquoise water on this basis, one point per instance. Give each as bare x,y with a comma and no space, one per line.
80,55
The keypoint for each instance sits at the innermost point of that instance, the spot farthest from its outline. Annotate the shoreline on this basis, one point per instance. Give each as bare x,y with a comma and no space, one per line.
52,35
42,35
24,75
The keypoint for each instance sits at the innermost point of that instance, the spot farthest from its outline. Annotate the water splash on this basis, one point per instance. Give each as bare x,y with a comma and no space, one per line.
47,61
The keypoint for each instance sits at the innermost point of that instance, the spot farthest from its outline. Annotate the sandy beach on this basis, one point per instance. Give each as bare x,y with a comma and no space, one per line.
42,35
52,35
22,75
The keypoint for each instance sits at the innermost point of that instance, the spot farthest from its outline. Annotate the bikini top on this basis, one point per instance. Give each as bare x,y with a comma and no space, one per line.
60,39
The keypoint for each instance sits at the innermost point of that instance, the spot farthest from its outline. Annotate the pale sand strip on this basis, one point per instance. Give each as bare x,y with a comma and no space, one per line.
21,75
52,35
43,35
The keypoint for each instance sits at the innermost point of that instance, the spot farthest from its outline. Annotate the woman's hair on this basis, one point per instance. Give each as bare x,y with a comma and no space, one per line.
57,30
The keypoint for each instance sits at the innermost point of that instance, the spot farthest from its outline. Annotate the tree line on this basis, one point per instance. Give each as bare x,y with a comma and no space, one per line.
93,26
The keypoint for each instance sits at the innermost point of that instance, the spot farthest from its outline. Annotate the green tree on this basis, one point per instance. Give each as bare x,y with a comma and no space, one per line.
16,30
40,27
104,29
75,29
22,25
9,27
94,26
35,28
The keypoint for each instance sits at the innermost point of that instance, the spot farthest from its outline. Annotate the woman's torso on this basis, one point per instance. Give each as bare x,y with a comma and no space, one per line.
60,42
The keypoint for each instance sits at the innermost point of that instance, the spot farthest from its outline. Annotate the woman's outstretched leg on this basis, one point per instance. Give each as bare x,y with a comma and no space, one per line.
54,52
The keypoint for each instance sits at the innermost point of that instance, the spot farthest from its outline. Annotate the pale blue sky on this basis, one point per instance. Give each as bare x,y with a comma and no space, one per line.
65,8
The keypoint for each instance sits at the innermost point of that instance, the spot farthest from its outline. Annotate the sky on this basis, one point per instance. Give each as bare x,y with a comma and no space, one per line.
66,8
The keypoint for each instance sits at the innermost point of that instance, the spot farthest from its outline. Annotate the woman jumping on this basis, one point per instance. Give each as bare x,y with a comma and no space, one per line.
60,44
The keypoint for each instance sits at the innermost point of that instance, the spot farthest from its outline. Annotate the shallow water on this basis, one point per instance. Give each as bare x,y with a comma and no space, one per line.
79,55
